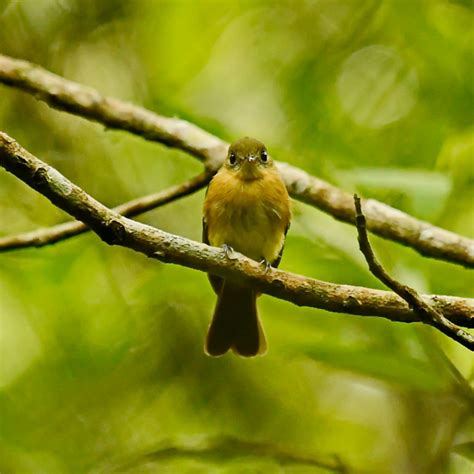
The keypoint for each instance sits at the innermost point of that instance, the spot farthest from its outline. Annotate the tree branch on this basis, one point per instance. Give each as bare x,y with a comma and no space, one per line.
426,312
115,229
51,235
383,220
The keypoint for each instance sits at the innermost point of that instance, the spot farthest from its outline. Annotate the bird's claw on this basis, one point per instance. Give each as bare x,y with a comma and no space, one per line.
229,252
266,264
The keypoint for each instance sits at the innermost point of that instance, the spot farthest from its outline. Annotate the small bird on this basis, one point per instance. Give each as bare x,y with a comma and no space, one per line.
246,209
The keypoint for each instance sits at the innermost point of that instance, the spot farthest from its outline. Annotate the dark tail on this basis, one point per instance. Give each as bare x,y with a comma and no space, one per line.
235,323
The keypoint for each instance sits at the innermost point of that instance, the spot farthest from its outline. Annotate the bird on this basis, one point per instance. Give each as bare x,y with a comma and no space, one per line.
246,209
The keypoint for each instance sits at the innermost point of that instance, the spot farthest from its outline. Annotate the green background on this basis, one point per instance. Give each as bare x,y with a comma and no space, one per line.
101,360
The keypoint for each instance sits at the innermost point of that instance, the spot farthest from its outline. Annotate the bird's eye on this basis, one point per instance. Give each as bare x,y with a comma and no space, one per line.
232,159
264,156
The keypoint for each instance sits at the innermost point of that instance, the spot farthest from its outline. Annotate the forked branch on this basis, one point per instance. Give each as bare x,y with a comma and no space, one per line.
57,233
383,220
115,229
426,312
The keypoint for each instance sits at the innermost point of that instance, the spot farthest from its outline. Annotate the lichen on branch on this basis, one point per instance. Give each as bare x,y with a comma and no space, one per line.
383,220
115,229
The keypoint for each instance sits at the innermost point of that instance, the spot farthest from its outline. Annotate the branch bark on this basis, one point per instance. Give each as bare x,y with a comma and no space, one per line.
426,312
115,229
383,220
51,235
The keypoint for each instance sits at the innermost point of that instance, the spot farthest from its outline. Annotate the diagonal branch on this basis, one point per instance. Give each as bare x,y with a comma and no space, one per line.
115,229
383,220
57,233
427,313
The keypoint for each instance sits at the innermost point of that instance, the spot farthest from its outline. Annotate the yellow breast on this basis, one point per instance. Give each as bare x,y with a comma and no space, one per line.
250,216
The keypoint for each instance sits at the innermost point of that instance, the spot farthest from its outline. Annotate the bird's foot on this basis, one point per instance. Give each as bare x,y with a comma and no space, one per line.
266,264
229,252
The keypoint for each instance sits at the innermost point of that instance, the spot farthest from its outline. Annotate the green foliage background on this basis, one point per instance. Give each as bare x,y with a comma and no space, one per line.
101,361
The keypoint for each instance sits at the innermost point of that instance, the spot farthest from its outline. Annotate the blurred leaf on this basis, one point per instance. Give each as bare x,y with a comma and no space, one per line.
466,450
381,365
102,348
419,192
456,157
225,449
459,464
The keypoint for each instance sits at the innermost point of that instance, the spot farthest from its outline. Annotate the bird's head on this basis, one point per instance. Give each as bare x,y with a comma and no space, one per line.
248,158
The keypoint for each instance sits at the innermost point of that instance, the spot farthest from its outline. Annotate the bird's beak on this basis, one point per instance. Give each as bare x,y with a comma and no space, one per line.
249,169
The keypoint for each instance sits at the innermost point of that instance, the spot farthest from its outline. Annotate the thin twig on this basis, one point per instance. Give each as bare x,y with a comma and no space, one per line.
427,313
383,220
57,233
115,229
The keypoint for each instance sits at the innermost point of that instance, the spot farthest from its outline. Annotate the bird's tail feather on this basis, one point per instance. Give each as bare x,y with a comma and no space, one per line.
235,324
